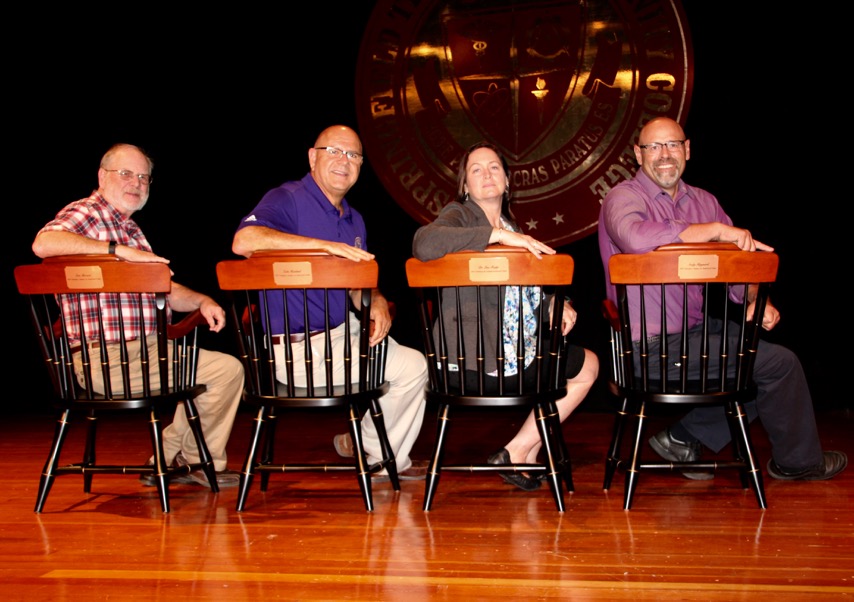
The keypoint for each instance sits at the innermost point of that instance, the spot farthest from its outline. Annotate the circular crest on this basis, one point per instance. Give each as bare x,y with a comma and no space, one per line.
562,88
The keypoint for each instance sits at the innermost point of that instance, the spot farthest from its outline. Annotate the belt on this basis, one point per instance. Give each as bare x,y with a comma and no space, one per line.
91,345
295,338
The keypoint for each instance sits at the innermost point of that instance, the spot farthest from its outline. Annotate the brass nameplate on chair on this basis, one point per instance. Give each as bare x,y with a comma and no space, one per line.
485,270
84,277
692,267
292,272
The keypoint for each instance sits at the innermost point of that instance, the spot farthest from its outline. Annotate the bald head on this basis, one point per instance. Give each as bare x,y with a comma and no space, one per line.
661,128
335,132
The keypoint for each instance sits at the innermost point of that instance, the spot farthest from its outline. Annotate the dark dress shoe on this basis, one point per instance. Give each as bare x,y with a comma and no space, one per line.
833,463
673,450
521,481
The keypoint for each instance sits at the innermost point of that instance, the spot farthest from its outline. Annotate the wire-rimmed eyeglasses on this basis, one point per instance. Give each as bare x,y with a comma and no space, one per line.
337,152
654,148
125,174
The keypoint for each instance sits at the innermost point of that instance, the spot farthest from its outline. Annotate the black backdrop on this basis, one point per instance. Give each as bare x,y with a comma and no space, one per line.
228,102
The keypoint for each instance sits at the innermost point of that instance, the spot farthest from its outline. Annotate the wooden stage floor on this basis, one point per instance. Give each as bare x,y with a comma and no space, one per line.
310,538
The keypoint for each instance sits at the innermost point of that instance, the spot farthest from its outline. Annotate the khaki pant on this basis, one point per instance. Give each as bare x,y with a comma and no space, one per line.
217,406
403,406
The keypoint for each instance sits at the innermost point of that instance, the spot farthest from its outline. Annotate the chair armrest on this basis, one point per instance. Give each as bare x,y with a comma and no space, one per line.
699,246
609,310
288,252
188,323
81,258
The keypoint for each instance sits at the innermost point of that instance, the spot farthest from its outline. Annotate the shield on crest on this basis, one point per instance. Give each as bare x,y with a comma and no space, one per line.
514,69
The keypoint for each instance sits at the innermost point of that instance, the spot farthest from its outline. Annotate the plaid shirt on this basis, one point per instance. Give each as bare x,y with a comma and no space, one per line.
94,217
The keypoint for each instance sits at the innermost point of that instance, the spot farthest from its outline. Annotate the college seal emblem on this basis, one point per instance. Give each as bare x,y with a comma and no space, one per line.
562,88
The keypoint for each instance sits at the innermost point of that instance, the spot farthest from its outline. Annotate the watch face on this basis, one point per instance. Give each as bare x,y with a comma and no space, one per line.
562,88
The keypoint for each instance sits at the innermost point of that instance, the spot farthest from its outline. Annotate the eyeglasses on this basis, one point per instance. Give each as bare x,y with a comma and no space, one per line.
655,147
337,152
127,175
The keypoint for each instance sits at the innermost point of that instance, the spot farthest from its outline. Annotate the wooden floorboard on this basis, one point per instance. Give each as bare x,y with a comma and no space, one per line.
309,537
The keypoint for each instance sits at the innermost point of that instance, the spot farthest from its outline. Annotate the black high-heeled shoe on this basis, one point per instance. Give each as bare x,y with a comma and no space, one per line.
502,456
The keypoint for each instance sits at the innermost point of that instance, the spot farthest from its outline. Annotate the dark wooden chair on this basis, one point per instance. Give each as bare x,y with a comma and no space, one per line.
102,381
459,281
269,275
714,366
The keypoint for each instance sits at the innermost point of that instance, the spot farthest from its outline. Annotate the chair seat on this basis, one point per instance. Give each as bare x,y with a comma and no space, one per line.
101,403
495,401
693,395
338,397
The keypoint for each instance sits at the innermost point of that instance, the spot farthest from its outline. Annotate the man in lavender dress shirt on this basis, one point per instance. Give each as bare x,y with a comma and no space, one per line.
656,208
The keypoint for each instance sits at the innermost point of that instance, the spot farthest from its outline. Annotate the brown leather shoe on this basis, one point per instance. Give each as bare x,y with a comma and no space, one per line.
416,472
224,478
343,445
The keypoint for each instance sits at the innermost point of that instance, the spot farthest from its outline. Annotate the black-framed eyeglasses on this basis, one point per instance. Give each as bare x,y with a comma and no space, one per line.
337,152
125,174
655,147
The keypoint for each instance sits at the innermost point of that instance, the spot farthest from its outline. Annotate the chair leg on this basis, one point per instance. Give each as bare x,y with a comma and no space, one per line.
564,463
204,453
49,471
389,460
549,450
748,457
249,464
89,450
160,469
633,472
739,454
270,425
434,469
363,473
613,459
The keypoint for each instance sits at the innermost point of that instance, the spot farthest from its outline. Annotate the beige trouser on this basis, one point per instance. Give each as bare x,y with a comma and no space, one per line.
217,406
403,406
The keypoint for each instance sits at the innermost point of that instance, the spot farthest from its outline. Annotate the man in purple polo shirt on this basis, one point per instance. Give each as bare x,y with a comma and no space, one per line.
312,213
656,208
